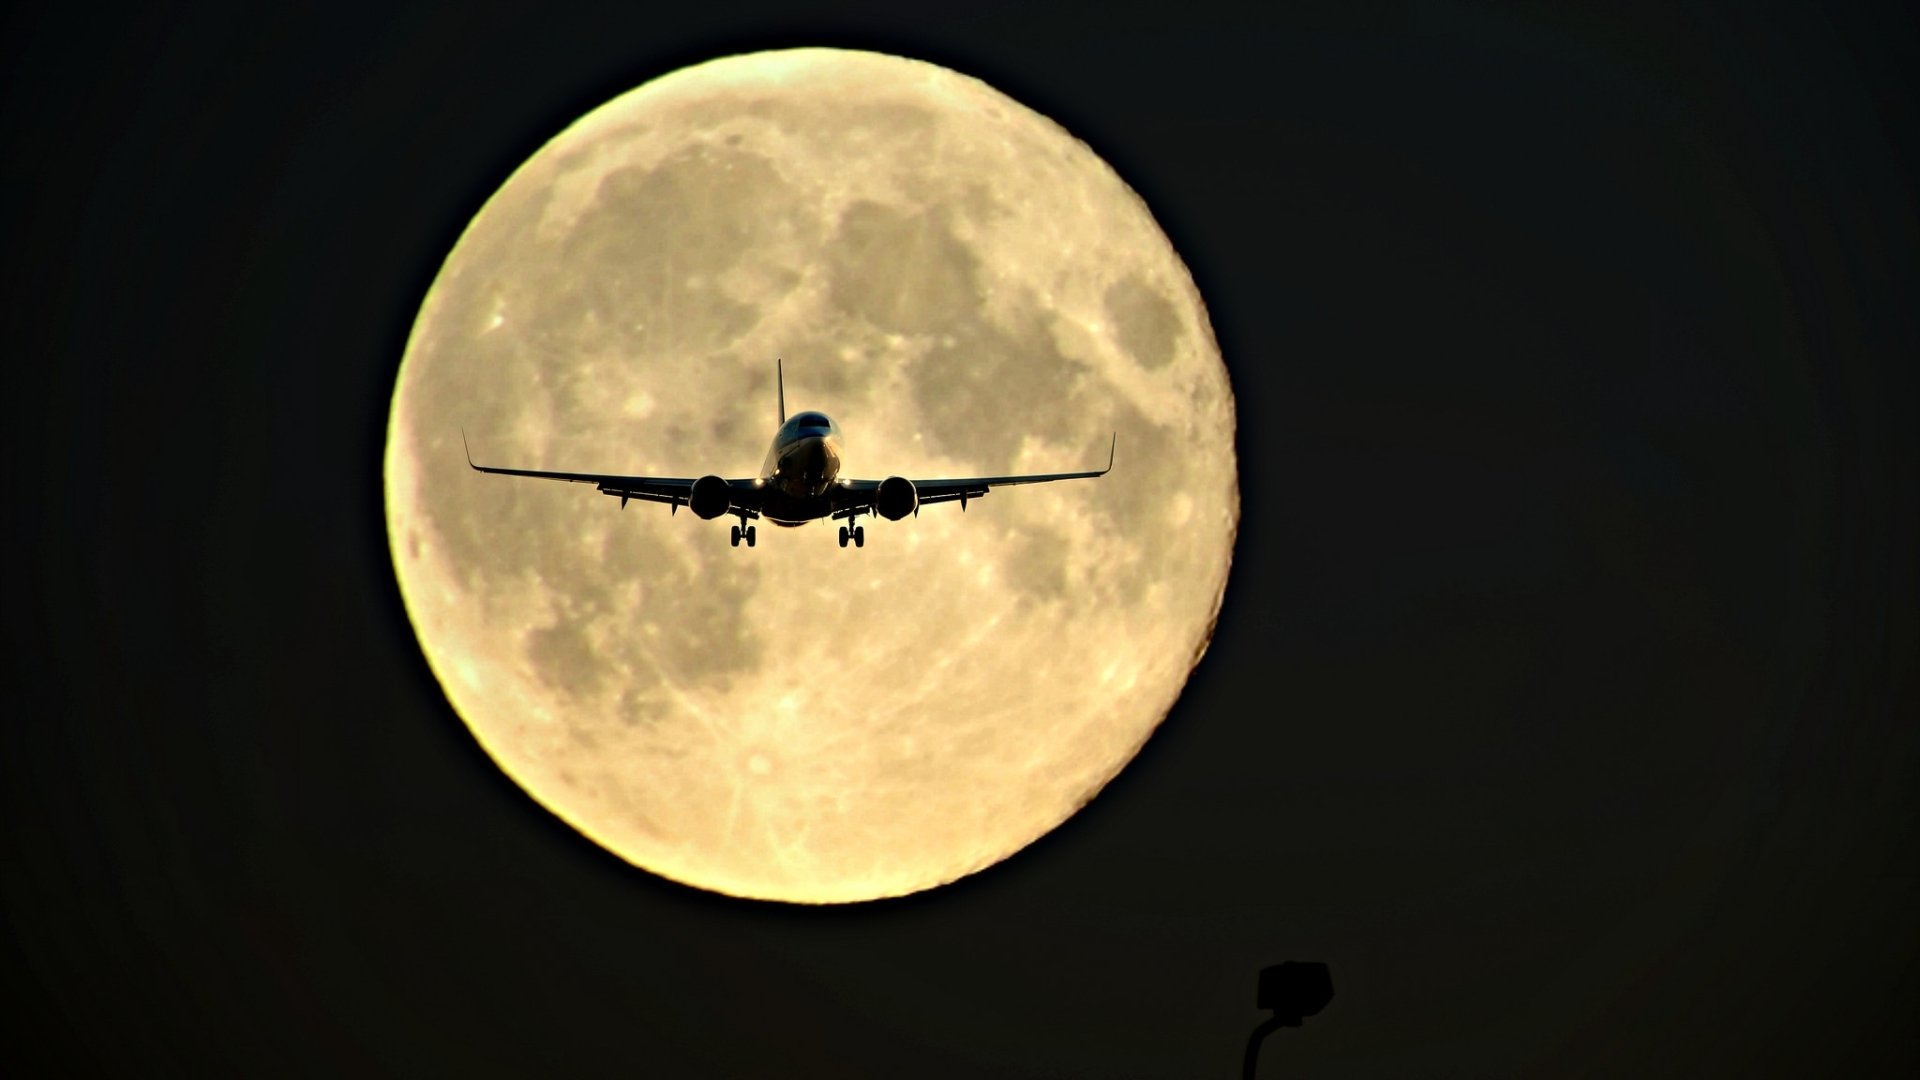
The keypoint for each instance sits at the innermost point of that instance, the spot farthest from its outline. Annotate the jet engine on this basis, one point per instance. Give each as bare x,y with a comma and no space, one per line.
895,498
709,498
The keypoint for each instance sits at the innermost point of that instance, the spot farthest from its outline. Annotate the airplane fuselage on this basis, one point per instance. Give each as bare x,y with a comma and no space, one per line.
800,469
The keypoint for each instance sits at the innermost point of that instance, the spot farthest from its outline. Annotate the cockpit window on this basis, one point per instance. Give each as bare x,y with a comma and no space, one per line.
811,420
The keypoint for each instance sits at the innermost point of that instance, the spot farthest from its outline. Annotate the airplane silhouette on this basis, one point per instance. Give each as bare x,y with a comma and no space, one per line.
798,483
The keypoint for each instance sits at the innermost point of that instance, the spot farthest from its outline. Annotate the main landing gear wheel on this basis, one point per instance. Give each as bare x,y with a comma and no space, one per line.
750,534
743,533
736,536
843,536
857,534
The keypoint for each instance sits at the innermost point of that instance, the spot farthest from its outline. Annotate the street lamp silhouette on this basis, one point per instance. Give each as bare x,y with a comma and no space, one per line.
1294,991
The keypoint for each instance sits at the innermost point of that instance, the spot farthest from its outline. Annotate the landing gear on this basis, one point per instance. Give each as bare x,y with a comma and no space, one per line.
852,530
746,533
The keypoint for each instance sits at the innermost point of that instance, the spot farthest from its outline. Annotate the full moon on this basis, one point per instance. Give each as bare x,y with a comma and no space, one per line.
968,291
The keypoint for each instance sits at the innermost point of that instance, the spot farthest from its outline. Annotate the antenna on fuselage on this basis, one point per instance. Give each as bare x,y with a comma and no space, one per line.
780,383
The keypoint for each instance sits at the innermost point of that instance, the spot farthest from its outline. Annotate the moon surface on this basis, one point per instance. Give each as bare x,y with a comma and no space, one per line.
967,290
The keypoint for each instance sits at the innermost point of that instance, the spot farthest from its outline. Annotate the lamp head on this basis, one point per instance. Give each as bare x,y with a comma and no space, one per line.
1295,990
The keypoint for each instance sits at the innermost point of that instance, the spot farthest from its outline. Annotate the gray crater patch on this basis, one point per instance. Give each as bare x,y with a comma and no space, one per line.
1037,566
904,272
563,658
983,391
704,634
647,258
1146,322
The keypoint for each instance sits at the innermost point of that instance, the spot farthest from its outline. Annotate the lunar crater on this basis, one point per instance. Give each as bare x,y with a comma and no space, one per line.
902,271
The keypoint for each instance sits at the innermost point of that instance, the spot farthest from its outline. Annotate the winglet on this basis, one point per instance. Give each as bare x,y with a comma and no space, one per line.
780,383
468,449
1111,447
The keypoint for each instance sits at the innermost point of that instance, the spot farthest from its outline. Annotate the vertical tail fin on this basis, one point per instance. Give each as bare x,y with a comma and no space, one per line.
780,383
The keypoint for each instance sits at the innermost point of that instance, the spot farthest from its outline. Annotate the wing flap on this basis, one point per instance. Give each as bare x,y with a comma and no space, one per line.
660,489
859,494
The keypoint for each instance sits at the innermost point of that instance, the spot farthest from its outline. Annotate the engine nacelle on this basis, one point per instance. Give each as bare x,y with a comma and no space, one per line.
709,498
895,498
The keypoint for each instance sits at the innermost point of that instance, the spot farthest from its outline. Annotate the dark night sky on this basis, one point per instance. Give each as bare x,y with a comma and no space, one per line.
1563,699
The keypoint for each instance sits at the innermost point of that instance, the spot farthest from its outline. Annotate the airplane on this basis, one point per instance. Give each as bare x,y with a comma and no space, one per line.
799,482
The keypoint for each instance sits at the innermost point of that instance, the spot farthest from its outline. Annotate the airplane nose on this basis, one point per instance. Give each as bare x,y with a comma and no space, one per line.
811,464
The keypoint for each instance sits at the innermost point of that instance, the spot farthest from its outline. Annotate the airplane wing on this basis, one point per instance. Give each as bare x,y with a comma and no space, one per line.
858,495
673,490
